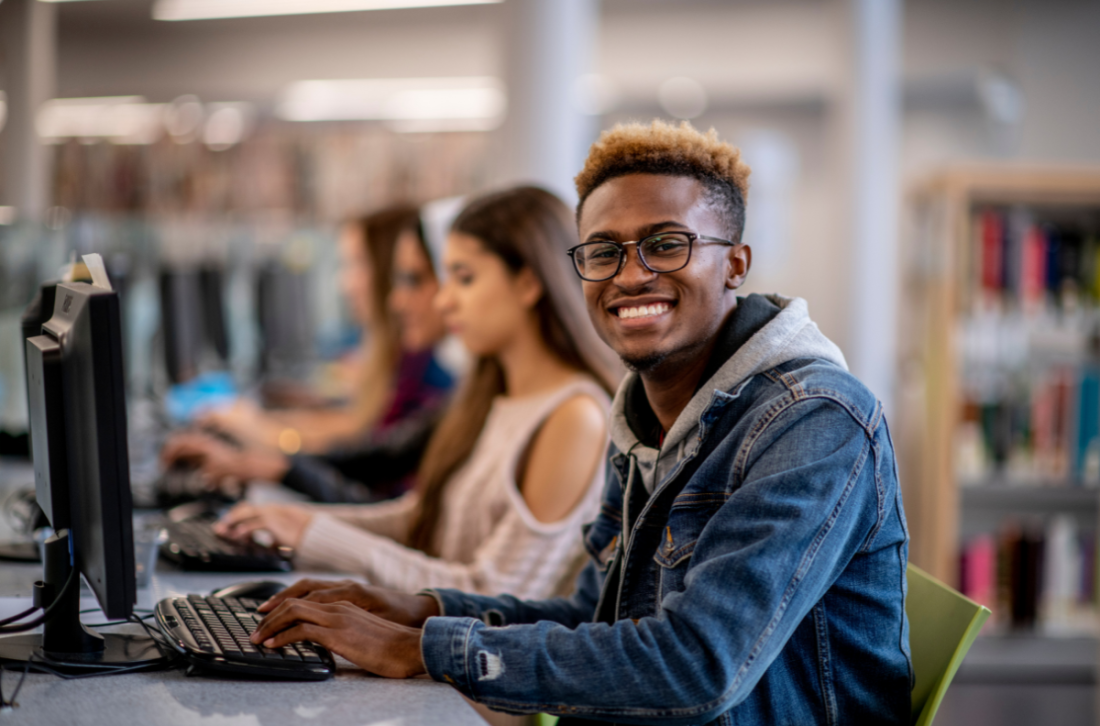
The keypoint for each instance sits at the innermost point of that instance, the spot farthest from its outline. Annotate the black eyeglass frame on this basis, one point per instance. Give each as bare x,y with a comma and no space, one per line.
692,236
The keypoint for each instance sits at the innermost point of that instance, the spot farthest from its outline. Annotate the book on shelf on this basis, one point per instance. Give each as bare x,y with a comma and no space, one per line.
1029,345
1033,577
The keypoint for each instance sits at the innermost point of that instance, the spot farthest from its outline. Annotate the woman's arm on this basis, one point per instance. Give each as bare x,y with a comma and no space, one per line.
525,555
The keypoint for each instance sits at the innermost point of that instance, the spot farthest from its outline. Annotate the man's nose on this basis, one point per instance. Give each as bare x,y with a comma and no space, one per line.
634,273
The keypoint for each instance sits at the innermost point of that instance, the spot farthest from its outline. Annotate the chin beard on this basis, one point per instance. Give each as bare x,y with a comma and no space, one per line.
644,363
664,362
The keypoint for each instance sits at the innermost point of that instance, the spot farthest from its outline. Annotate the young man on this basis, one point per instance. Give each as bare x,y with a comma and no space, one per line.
748,564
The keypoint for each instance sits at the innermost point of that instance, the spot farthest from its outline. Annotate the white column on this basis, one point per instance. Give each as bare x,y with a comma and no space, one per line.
549,44
876,117
28,57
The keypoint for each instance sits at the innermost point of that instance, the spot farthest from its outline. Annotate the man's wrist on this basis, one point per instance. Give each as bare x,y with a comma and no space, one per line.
425,606
411,655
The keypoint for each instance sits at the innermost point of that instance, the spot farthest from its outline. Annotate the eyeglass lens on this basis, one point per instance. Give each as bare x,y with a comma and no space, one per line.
660,253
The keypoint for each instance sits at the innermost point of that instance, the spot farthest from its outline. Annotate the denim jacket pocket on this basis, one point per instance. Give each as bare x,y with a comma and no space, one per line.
687,518
672,553
601,543
673,557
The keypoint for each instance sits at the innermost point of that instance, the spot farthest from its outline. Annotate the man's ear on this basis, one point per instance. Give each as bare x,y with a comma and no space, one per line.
739,259
528,287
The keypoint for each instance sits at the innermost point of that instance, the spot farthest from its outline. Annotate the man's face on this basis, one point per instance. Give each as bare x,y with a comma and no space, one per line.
680,312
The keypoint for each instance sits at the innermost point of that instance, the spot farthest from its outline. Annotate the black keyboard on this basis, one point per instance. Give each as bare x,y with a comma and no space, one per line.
182,484
213,633
192,545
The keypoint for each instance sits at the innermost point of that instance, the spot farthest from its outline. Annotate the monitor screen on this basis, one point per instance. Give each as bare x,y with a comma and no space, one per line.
86,331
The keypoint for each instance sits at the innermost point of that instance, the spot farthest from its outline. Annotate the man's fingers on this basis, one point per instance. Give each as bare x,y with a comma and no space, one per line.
298,633
286,615
300,589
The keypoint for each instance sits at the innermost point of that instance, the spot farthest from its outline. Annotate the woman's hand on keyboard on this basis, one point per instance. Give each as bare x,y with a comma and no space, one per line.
222,465
286,523
397,607
373,643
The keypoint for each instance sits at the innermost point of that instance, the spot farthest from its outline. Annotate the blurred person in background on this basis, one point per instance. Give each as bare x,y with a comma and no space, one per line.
369,450
513,469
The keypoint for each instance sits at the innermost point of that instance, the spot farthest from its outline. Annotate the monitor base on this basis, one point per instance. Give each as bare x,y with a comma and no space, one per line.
120,651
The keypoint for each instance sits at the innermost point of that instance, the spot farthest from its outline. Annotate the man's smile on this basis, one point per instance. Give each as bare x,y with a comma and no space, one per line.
642,309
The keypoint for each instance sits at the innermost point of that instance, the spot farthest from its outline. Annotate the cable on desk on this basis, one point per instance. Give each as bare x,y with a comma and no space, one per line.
31,625
12,703
20,616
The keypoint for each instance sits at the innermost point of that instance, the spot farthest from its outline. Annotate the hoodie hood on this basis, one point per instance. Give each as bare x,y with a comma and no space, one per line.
788,336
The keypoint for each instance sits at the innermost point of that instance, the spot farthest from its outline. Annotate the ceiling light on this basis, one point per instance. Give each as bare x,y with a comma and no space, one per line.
226,125
206,9
121,119
474,103
682,97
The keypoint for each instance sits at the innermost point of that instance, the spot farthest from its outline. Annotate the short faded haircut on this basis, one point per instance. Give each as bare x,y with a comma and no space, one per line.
663,148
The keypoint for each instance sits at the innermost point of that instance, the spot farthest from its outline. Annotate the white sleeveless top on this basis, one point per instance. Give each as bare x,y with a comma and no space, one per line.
488,541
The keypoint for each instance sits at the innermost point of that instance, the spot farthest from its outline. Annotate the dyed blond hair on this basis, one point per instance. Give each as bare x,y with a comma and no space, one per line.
667,149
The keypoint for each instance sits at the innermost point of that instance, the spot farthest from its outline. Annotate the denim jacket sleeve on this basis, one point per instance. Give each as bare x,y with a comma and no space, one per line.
805,496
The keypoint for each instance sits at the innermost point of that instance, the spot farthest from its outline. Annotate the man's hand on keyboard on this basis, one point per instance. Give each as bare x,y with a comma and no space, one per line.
373,643
397,607
285,522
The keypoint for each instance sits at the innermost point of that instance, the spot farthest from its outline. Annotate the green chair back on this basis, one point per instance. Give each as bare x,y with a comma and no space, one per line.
942,626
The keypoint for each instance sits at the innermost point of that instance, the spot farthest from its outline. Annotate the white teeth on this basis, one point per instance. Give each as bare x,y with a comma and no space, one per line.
643,311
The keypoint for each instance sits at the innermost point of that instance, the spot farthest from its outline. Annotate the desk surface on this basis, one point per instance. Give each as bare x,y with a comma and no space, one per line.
352,698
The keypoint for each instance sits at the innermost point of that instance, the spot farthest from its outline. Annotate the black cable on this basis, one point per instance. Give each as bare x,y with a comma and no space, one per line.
31,625
20,616
12,703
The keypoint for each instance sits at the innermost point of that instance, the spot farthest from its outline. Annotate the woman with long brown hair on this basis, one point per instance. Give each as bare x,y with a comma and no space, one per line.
514,466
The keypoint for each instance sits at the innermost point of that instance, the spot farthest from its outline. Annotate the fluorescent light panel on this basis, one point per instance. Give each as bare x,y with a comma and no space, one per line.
208,9
121,119
474,103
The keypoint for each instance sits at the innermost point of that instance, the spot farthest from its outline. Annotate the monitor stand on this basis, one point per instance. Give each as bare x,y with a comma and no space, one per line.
65,644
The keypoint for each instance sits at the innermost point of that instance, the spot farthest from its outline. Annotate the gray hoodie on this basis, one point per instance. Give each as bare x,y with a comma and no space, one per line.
788,336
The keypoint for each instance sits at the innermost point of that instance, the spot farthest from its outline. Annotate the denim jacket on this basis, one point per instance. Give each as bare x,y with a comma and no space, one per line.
762,580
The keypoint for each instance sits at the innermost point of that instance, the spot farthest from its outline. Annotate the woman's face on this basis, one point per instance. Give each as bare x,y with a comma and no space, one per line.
483,302
356,274
414,288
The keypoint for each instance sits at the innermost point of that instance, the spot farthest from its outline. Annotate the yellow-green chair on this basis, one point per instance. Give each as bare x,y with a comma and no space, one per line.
942,626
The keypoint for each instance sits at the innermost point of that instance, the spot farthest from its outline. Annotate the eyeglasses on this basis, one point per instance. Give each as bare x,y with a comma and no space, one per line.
663,252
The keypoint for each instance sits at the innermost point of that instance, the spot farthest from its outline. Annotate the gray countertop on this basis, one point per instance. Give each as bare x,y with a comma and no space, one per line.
351,698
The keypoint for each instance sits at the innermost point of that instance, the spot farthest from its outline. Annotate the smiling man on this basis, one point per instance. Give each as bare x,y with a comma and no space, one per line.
748,563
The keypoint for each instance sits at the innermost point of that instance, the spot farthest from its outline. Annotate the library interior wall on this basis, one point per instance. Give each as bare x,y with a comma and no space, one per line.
776,67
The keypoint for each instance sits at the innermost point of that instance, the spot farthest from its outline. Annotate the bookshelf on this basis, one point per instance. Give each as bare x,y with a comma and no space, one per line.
998,419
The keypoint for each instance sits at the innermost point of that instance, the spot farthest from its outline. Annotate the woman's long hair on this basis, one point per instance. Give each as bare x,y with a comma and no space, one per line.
525,227
379,232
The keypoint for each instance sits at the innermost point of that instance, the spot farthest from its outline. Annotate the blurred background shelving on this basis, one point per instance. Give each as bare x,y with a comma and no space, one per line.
999,410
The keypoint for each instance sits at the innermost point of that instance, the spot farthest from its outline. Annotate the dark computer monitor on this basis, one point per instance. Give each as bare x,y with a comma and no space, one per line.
193,321
82,480
282,315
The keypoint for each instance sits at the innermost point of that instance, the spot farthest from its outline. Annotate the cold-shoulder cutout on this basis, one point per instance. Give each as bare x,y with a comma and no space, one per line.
564,453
